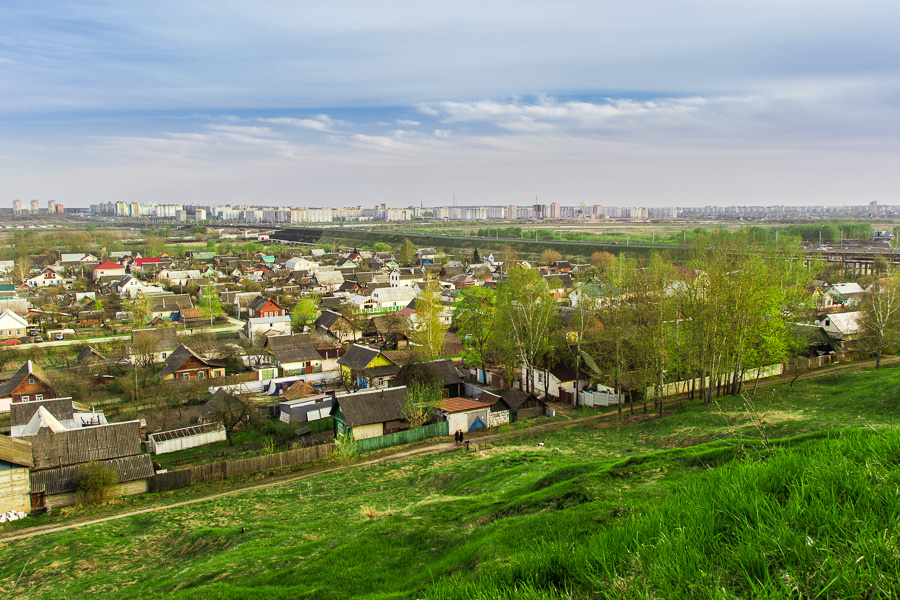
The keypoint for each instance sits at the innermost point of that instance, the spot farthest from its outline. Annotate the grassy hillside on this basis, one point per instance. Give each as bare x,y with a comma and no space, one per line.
708,501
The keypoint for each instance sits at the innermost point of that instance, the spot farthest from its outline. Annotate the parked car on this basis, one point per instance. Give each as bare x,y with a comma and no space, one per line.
38,340
11,342
59,336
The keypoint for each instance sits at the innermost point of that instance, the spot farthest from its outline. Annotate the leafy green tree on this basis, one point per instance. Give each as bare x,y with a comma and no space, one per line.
139,309
527,312
475,318
420,403
305,312
550,256
407,253
430,330
209,303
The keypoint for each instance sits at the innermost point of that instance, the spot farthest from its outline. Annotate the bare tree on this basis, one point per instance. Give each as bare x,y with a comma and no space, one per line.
879,315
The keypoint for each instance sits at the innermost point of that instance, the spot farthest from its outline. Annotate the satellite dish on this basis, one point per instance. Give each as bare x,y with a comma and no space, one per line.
817,322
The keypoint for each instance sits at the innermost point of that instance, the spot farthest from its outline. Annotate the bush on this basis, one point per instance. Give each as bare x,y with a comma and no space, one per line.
94,481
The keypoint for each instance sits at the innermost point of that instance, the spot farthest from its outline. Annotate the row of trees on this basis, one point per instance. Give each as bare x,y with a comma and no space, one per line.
639,325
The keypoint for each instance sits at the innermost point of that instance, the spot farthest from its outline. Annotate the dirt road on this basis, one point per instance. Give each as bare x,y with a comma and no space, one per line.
434,448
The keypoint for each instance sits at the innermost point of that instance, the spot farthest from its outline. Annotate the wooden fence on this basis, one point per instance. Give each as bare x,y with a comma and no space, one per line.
162,482
407,436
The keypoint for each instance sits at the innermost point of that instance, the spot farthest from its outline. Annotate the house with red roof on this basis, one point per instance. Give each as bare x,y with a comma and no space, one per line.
143,263
108,268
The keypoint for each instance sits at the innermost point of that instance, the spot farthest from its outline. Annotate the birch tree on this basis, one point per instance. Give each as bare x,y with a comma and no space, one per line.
879,315
527,312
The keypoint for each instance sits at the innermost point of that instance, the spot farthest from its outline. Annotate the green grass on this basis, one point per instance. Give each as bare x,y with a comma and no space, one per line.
693,505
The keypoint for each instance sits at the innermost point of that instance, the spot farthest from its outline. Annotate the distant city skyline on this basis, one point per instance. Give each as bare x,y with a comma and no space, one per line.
653,104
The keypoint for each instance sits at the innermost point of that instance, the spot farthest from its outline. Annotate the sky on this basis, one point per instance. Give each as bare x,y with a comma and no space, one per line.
348,103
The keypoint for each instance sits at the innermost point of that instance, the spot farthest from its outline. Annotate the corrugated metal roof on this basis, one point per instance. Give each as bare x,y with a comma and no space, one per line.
454,405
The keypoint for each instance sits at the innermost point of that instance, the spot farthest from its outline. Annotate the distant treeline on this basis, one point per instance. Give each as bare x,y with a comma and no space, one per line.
830,231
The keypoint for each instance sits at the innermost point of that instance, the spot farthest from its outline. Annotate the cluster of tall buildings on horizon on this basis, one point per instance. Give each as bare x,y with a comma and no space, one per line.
182,213
53,207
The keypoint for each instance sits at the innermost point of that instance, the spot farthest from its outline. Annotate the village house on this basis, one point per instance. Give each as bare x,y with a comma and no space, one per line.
185,365
333,324
263,307
12,325
393,298
463,414
266,326
27,384
369,414
107,269
441,373
168,306
843,294
46,278
294,354
152,345
363,367
841,327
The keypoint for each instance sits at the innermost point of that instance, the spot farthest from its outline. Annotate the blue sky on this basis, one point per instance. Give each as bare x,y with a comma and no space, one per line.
345,103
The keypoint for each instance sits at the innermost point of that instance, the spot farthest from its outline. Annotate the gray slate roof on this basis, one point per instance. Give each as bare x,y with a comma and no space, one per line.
358,357
292,348
62,479
368,407
20,413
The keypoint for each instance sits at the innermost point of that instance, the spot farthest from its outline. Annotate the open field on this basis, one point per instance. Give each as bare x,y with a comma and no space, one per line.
790,495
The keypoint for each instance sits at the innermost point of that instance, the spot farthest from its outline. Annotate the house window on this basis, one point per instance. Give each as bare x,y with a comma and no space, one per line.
186,375
25,398
38,397
163,355
31,381
201,375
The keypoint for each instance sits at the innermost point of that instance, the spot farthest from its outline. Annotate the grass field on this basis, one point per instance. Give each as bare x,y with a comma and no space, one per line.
792,496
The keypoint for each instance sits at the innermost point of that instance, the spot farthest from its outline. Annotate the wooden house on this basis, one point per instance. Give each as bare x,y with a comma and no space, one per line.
27,384
185,365
168,306
365,367
152,345
369,414
263,307
295,354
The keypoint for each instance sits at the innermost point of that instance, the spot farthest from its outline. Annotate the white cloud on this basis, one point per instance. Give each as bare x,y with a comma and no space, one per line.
318,123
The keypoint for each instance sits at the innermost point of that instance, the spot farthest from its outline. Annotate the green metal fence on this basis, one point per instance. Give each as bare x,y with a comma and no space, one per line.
404,437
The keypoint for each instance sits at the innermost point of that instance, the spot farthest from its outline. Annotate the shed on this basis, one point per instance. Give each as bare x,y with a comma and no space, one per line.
464,414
